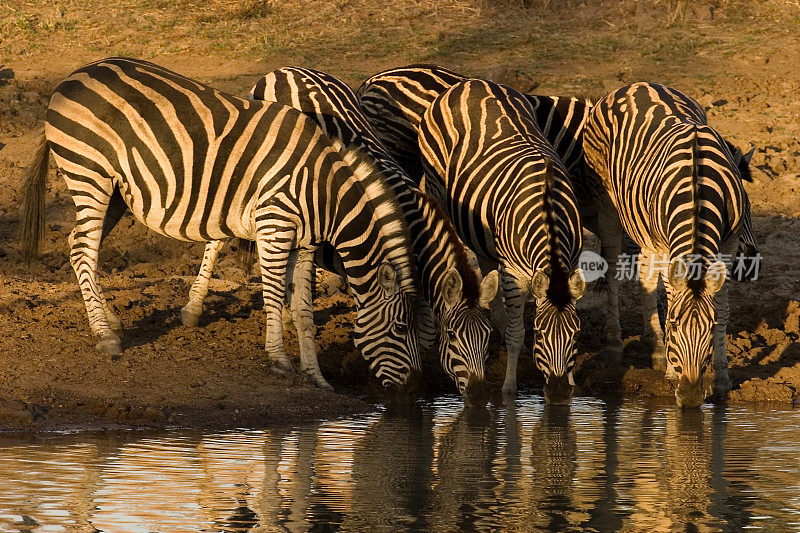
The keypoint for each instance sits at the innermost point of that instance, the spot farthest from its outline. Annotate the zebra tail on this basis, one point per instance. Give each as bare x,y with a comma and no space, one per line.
33,189
245,254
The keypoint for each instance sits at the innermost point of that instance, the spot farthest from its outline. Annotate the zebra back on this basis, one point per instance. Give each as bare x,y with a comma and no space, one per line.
480,139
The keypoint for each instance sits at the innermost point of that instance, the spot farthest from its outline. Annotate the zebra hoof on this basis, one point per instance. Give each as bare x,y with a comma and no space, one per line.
189,318
282,369
321,383
612,355
110,345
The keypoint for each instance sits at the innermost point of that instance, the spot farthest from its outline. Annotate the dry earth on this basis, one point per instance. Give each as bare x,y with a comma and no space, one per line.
738,58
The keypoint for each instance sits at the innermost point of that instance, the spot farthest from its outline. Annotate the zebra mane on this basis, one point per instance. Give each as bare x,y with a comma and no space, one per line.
695,196
470,283
558,290
372,182
695,283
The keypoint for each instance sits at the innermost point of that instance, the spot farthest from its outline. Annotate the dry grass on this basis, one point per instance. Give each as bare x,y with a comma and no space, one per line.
534,38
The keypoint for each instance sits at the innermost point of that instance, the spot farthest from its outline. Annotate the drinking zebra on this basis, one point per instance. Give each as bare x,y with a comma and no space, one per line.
674,186
511,201
196,164
448,282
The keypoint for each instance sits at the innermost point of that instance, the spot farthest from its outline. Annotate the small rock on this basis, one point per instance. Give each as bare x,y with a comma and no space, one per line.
706,101
774,336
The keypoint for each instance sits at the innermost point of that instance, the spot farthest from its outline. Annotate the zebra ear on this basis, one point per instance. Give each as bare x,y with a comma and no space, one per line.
677,273
539,284
715,276
577,284
386,277
489,287
452,287
746,158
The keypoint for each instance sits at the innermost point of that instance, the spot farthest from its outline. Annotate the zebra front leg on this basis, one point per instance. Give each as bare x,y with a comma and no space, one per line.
611,250
649,274
515,331
722,383
190,313
303,317
274,247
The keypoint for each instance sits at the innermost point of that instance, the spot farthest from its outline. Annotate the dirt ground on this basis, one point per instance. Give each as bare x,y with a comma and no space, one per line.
738,58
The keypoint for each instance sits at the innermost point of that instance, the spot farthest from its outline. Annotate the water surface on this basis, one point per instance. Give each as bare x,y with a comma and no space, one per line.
523,466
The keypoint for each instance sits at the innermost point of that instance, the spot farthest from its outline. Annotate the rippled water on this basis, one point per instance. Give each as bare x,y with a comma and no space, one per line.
523,466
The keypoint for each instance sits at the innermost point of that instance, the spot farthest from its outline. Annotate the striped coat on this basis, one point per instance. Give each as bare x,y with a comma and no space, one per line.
449,284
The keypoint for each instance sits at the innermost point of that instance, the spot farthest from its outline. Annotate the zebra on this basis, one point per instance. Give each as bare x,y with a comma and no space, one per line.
449,283
672,183
511,201
196,164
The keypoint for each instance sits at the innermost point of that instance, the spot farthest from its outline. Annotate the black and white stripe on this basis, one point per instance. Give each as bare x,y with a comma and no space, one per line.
196,164
673,185
511,201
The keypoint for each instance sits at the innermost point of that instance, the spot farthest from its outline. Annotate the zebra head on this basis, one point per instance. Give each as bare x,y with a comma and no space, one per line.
464,336
555,326
689,327
385,332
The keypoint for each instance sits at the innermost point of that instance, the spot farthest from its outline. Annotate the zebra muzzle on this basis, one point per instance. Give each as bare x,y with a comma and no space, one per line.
557,390
408,391
476,393
690,395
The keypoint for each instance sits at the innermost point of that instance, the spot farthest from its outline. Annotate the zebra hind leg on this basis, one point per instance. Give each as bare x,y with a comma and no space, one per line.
190,313
303,316
515,330
611,244
114,213
274,246
84,243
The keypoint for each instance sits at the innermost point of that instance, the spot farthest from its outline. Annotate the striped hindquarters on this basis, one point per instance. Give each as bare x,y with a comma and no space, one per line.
671,175
395,100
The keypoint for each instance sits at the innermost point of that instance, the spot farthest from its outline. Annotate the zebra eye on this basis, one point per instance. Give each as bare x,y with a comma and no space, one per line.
451,335
401,329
